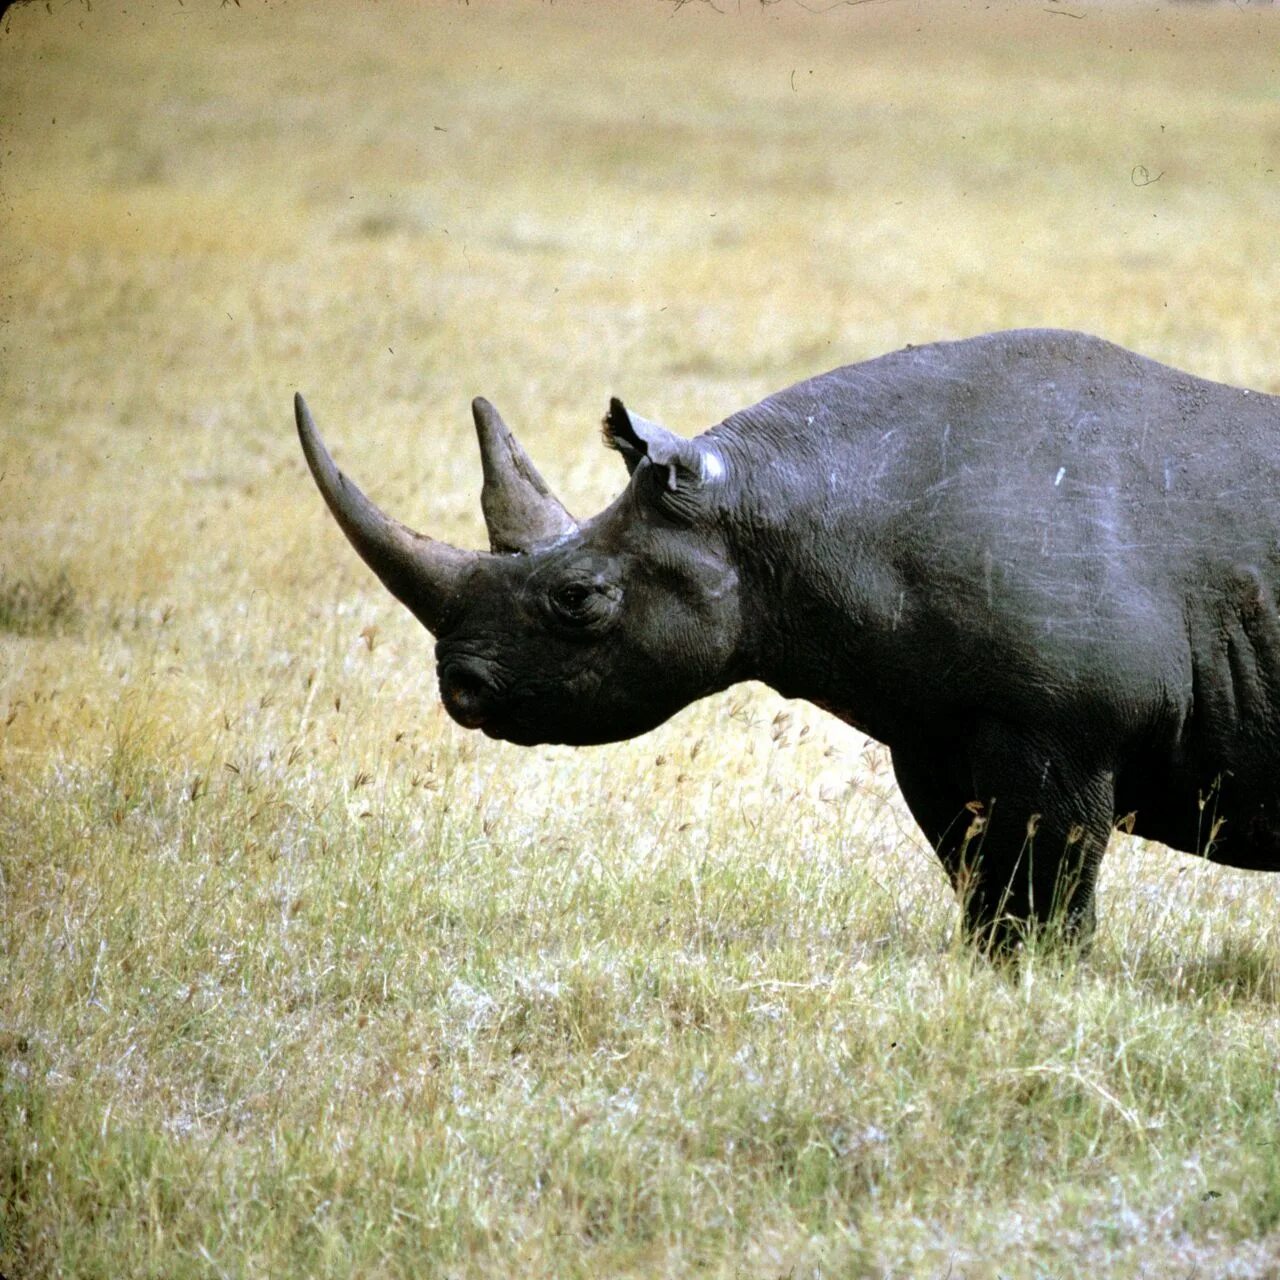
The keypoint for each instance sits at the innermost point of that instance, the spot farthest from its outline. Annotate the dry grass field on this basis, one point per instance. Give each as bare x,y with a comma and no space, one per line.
299,979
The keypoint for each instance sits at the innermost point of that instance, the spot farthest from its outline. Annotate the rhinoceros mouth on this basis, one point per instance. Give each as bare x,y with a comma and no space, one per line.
518,735
465,716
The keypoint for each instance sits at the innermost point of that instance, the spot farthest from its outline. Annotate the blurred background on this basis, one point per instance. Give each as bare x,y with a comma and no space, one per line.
687,204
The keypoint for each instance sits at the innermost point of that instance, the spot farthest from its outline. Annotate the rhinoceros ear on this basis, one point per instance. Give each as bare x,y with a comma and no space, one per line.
688,463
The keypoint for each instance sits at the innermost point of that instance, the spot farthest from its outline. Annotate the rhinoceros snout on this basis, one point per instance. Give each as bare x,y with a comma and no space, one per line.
468,694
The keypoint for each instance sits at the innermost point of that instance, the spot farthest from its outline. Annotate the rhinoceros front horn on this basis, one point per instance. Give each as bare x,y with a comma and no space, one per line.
520,511
423,574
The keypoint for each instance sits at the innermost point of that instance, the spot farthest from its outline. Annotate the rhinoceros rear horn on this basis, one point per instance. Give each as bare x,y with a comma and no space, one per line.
423,574
520,511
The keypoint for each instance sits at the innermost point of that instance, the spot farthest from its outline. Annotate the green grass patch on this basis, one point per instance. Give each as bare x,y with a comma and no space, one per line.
39,604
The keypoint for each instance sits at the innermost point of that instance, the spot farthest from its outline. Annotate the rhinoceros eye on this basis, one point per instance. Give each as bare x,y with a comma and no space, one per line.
582,603
573,596
572,601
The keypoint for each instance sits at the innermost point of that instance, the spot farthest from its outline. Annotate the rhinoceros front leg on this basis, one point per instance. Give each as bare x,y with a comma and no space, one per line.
1020,822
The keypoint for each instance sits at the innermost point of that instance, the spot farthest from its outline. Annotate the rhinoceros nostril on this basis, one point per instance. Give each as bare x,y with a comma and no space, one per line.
468,694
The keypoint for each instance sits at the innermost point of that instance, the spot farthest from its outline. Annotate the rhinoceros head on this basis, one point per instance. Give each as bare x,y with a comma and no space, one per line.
565,631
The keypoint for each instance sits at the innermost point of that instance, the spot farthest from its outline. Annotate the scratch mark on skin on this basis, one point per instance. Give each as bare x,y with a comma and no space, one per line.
1057,480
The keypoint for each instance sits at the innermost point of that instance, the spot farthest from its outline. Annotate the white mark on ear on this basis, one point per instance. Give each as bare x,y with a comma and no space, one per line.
712,466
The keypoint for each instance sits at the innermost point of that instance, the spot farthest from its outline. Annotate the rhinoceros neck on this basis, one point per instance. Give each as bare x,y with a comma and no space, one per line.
818,592
886,510
1035,506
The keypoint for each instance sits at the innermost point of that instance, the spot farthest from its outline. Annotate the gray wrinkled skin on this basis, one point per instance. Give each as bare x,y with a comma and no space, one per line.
1040,568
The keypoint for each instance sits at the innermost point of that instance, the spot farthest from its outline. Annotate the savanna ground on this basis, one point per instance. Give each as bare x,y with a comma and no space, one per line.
299,979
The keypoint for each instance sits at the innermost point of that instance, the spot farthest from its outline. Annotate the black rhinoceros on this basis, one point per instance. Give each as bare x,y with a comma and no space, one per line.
1040,568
